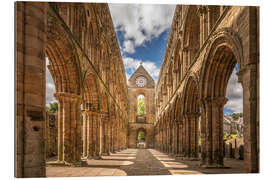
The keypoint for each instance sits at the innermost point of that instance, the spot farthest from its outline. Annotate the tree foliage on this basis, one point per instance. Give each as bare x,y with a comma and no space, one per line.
141,105
237,115
141,136
232,136
53,107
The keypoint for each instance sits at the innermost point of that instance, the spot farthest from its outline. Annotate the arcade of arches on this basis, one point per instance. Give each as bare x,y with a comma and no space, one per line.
96,107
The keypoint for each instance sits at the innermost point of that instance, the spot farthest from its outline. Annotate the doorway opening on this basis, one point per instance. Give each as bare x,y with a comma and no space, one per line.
141,139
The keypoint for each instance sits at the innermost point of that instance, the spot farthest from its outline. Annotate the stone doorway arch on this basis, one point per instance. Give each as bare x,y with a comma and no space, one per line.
141,144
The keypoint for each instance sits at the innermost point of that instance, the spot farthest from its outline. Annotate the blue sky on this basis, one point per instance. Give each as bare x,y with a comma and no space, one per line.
150,51
142,32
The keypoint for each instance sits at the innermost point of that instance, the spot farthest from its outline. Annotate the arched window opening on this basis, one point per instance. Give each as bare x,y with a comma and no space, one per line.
141,105
233,110
141,137
51,113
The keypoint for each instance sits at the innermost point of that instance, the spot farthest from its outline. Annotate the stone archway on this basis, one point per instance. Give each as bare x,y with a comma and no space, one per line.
191,113
143,130
223,54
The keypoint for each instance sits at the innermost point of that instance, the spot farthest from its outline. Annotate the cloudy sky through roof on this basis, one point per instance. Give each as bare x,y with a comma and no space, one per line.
142,31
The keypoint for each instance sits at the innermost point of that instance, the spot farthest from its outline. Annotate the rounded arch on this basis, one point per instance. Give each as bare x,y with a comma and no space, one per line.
64,63
141,104
223,51
145,140
191,94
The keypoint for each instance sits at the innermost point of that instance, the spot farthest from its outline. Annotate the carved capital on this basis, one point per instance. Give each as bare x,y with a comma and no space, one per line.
220,101
90,113
63,96
185,48
242,71
104,116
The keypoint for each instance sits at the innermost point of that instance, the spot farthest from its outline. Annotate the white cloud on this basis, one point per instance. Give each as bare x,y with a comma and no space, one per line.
50,87
234,94
132,64
128,47
140,22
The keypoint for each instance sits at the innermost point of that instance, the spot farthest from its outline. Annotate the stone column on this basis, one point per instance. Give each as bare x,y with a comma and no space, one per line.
67,130
94,134
187,134
85,134
77,127
191,121
69,138
193,118
106,132
197,131
90,145
112,132
101,135
163,137
167,137
108,137
98,133
159,137
217,130
116,134
206,130
60,129
203,133
179,141
212,132
184,136
174,139
249,78
177,137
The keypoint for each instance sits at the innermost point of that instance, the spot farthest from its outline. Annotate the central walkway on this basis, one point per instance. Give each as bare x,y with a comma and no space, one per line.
134,162
145,164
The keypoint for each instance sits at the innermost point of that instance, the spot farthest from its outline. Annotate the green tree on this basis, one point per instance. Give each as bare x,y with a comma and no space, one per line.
53,107
237,115
141,136
141,105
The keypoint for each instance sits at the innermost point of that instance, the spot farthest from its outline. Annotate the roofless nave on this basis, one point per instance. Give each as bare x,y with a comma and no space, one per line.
204,45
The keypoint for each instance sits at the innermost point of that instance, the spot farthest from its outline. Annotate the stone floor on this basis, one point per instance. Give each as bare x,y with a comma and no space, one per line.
134,162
